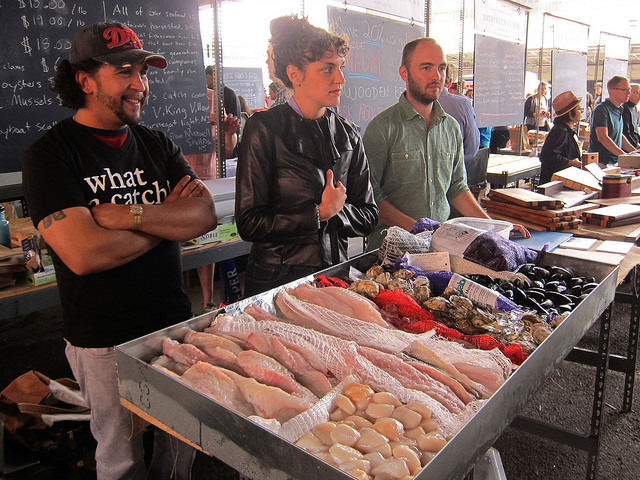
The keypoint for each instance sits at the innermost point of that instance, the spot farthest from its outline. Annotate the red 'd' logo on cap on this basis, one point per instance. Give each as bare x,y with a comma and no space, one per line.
124,37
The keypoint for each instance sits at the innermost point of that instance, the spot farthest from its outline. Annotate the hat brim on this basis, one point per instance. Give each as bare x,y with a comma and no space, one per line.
569,107
133,57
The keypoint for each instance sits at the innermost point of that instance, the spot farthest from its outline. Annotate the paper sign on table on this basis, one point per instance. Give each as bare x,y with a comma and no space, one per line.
614,246
579,243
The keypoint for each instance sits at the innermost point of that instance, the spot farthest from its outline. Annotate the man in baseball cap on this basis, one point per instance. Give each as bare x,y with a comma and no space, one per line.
113,199
112,43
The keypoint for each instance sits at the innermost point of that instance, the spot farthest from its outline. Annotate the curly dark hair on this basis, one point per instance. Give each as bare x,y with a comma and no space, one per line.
65,85
296,42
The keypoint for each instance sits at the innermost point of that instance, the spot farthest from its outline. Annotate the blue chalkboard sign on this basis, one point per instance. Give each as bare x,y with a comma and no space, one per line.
39,33
375,52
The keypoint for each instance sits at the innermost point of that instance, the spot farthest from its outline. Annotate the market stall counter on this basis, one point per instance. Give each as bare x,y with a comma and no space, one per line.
256,452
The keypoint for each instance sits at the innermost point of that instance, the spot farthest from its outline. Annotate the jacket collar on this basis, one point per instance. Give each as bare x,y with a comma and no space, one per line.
326,129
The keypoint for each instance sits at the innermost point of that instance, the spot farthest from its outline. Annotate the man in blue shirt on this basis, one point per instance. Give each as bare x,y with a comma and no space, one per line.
606,123
460,108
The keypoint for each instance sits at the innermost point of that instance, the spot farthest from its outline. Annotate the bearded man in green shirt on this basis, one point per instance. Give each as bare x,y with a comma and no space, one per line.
415,149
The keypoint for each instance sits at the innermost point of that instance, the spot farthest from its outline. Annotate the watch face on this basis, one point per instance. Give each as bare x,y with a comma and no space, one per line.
135,209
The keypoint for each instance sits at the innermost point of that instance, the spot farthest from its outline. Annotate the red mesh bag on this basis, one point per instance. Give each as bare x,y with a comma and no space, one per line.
403,312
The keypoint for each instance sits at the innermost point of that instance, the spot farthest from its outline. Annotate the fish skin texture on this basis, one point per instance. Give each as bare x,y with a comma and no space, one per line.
268,401
269,371
213,382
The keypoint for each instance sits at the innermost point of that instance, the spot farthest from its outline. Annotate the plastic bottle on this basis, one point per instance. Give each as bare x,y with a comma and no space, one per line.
5,234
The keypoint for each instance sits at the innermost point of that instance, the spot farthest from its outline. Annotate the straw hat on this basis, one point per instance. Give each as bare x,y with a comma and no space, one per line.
565,102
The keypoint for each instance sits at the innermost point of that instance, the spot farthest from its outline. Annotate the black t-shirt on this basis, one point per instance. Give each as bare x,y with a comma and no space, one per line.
70,167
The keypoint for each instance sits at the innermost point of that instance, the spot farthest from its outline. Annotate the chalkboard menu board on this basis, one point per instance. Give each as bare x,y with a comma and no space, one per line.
38,33
372,79
246,82
569,72
498,81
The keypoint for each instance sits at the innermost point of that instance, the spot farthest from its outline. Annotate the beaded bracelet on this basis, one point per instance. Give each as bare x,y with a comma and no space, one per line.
317,215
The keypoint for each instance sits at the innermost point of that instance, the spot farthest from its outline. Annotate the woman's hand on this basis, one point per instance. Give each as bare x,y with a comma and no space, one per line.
333,198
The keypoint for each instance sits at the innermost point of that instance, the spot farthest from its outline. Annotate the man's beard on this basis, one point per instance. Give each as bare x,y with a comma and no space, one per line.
418,93
117,107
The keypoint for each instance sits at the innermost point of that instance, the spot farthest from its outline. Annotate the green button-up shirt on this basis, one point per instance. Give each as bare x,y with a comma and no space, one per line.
418,169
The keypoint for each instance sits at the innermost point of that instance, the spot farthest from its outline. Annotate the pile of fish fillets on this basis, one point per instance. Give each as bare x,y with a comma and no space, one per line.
277,363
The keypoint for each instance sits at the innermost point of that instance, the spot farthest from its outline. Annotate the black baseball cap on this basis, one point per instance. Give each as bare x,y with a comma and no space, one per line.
112,43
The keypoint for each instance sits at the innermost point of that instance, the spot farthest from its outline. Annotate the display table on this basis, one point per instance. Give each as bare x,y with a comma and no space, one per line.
24,299
503,170
257,453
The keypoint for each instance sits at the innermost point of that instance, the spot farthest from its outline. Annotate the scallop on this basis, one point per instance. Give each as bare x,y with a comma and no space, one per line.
343,453
407,417
389,427
323,432
345,435
379,410
414,433
429,425
359,464
358,474
311,443
431,442
345,404
359,394
372,441
394,468
421,408
358,421
386,398
337,415
375,458
411,458
426,457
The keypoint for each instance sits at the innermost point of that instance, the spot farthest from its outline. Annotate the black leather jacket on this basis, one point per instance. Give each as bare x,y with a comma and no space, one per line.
281,173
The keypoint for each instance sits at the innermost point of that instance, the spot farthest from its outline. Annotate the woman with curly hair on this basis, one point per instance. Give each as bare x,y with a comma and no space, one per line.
302,182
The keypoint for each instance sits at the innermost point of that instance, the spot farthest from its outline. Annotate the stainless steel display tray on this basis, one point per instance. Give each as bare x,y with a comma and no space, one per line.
260,454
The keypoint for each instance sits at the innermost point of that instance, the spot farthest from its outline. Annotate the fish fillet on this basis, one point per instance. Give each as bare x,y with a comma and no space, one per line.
443,377
410,377
171,365
214,383
425,354
208,341
316,381
268,401
304,349
324,320
215,347
365,308
339,300
269,371
184,353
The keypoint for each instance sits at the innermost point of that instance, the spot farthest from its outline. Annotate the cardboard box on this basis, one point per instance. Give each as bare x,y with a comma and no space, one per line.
226,230
519,138
41,278
590,157
629,160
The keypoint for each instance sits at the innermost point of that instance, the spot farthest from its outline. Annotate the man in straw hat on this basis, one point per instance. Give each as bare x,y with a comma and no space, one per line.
113,199
561,148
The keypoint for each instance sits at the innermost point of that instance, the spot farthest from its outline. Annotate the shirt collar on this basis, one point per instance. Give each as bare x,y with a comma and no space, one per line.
409,113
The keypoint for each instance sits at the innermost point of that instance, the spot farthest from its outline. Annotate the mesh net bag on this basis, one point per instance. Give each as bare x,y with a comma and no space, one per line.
398,241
